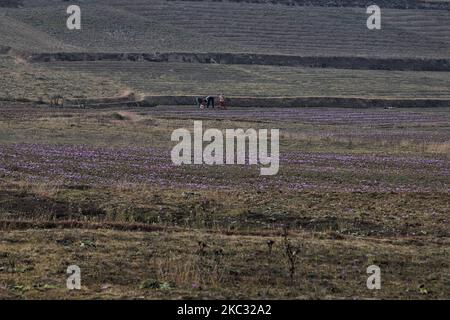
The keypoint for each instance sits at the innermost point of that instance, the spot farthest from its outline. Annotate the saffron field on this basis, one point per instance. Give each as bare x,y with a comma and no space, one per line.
97,188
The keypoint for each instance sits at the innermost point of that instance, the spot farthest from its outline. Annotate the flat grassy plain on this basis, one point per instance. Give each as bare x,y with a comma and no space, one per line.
97,188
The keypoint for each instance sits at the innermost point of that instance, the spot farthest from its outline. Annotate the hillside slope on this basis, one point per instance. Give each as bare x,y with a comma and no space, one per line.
10,3
204,26
246,48
19,35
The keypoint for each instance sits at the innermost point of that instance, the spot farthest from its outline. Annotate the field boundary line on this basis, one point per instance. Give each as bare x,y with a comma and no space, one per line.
334,62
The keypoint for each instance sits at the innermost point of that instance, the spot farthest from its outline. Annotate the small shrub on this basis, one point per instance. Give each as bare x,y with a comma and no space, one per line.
118,116
291,255
150,284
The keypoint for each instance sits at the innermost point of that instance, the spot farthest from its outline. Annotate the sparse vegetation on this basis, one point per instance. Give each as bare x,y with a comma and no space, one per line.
118,116
86,189
86,176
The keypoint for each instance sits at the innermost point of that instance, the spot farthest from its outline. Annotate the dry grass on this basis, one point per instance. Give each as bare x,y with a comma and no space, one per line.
96,188
23,81
439,148
140,239
154,265
262,81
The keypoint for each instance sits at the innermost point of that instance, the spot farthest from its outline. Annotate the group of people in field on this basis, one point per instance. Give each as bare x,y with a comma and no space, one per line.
209,102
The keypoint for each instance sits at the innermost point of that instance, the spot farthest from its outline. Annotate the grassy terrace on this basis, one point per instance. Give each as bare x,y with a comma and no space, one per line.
355,187
243,80
20,80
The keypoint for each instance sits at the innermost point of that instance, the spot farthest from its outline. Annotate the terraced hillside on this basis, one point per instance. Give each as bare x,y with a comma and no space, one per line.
97,187
160,25
398,4
310,30
415,36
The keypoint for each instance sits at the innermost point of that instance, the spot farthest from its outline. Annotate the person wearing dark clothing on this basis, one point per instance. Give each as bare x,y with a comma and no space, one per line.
198,101
209,101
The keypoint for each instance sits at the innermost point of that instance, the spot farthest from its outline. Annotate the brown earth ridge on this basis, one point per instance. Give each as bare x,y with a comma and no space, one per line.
358,63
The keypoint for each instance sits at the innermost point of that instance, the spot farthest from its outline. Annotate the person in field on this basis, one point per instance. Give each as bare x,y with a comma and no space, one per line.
222,102
203,104
198,101
209,101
